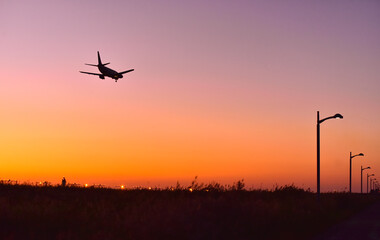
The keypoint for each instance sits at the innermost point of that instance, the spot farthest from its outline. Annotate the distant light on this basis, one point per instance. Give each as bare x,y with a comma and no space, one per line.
86,185
40,183
190,189
122,186
149,188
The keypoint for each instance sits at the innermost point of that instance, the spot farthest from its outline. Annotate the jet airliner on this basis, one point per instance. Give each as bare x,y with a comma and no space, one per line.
105,71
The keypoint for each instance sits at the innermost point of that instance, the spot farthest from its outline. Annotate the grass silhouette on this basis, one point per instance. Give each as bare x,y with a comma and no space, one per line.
209,211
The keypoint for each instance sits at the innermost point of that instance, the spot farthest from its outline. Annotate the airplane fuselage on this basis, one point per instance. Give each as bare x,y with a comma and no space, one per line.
108,72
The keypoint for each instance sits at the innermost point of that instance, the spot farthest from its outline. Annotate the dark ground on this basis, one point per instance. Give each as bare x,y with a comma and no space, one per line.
365,226
28,212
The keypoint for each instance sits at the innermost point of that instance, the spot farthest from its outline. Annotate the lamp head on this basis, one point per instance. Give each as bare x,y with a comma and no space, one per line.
338,116
360,154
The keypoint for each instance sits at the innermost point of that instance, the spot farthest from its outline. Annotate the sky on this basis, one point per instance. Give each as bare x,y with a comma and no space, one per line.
222,90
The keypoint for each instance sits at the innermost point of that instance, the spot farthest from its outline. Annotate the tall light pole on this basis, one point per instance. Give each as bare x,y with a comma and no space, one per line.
367,179
361,177
351,157
319,150
371,183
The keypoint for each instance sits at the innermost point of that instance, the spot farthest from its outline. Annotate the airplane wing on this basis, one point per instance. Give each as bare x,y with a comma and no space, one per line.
97,74
130,70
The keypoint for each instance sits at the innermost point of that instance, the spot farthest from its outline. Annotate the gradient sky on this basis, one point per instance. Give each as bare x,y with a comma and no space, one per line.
222,90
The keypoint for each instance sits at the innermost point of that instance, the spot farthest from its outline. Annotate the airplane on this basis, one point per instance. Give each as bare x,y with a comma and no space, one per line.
105,71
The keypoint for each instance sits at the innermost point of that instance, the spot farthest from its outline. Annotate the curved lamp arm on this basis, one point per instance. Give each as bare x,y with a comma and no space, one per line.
360,154
335,116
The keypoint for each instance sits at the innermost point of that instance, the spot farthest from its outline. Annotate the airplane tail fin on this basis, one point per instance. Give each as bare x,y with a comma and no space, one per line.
99,60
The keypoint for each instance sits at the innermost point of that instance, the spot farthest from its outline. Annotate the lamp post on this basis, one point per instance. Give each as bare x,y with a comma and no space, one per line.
371,184
351,157
361,177
318,149
367,179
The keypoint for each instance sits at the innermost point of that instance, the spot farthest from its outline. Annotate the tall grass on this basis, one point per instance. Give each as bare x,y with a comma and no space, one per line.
209,211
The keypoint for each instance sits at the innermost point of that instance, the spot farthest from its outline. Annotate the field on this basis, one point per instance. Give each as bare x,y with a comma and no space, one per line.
31,212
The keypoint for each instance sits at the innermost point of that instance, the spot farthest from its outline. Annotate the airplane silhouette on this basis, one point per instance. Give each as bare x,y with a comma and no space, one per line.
105,71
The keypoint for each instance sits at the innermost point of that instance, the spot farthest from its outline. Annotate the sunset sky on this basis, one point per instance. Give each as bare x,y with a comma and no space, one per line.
222,90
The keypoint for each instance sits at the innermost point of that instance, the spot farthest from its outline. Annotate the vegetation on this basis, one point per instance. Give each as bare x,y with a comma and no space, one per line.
199,211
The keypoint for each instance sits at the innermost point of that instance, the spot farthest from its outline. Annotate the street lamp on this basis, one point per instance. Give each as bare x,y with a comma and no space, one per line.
367,179
361,177
318,149
371,184
351,157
